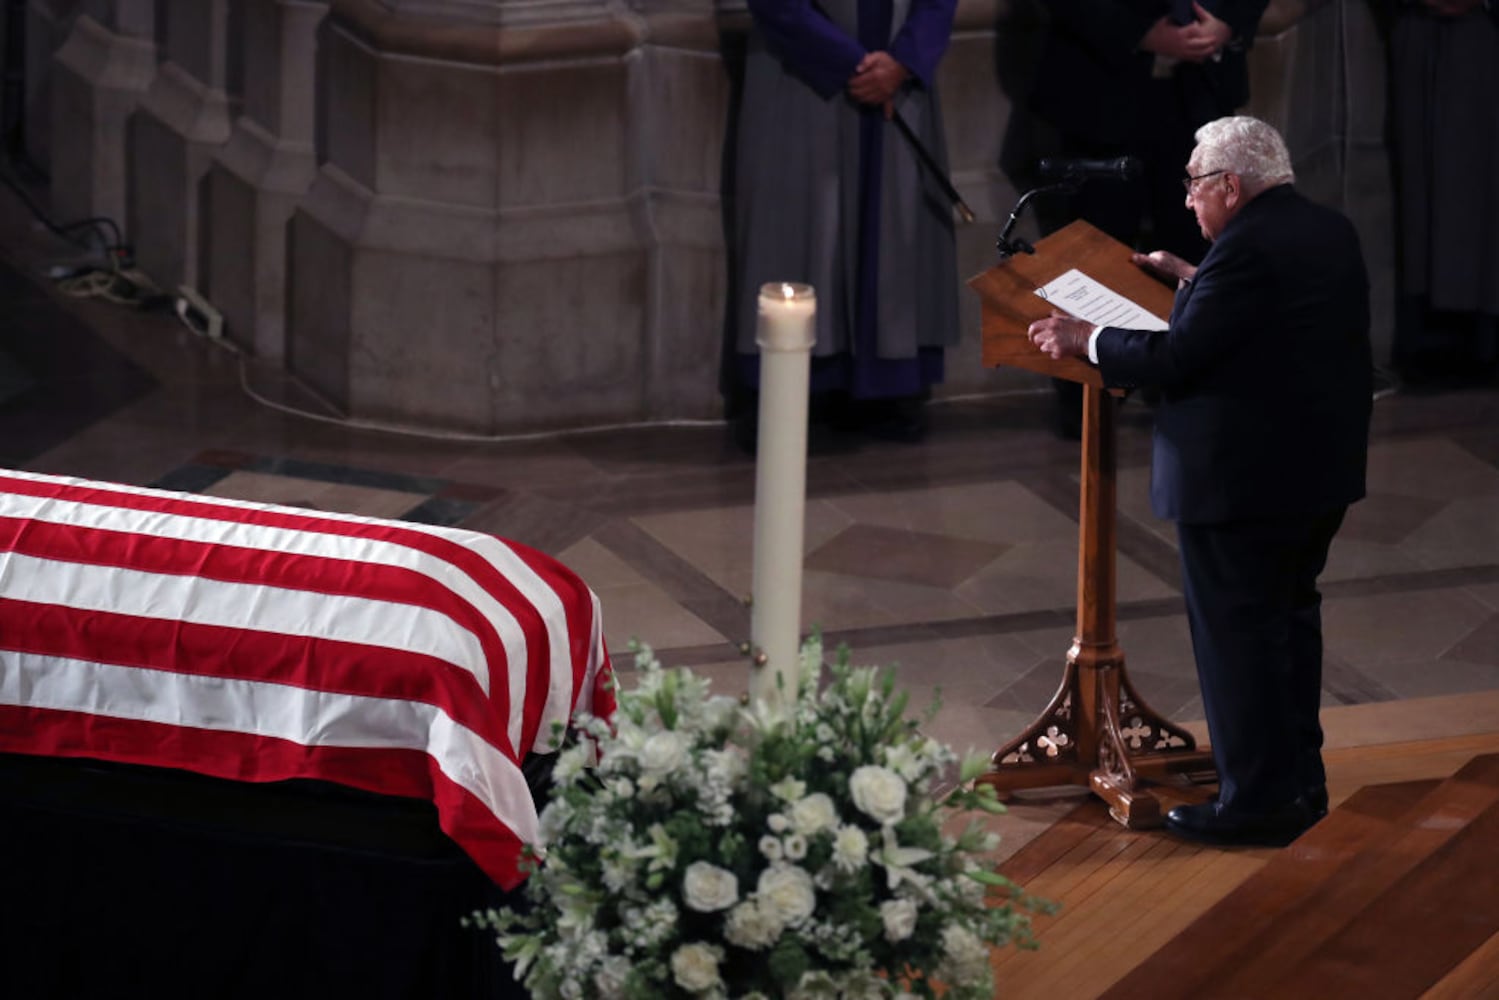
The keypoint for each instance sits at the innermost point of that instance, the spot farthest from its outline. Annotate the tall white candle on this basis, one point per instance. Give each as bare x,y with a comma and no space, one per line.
785,334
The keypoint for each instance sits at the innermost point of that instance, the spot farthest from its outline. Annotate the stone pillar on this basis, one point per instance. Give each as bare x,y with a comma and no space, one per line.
99,77
182,122
261,174
678,108
1296,84
46,26
472,254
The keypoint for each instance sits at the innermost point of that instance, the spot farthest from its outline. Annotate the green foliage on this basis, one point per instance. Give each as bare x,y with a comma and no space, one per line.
697,848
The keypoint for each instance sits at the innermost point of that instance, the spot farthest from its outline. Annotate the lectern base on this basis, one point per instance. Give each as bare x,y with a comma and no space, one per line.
1161,781
1099,734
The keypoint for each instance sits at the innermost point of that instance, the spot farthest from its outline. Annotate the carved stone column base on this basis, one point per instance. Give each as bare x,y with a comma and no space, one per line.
98,80
173,138
254,187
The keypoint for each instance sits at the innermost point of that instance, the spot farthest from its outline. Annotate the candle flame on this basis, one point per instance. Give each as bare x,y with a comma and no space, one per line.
787,291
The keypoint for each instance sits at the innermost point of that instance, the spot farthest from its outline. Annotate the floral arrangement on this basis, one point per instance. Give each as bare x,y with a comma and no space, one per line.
718,850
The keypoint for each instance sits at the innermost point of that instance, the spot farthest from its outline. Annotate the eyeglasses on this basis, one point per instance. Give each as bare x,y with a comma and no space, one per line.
1189,182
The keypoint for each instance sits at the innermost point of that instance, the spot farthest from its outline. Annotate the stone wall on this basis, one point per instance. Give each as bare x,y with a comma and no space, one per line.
498,215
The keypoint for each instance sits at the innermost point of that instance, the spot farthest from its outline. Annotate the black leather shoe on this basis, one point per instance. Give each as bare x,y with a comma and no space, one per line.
1315,798
1210,823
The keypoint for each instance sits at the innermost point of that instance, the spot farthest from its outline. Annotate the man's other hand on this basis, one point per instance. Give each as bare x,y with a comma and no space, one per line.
1061,336
1218,30
1164,263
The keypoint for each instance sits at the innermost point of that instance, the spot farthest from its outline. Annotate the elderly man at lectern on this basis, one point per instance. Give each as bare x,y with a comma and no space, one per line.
1261,443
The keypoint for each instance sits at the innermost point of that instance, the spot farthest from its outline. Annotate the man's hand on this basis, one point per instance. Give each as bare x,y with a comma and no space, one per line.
1061,336
1218,30
876,80
1166,264
1195,42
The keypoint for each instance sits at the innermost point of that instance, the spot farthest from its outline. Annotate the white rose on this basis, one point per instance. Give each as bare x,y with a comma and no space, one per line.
786,892
813,814
899,916
796,847
663,753
708,888
778,823
850,848
749,926
771,848
695,967
879,793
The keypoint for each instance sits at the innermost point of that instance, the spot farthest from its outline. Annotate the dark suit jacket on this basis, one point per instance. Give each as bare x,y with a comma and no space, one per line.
1265,372
1092,76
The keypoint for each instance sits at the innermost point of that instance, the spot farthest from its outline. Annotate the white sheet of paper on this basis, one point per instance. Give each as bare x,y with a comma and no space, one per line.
1097,303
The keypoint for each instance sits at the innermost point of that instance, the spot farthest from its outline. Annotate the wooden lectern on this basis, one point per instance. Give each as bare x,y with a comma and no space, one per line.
1097,732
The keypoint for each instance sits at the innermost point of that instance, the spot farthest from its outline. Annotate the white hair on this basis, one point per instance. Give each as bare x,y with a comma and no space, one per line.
1245,146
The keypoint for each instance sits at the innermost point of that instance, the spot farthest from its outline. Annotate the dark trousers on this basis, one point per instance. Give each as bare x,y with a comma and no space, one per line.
1256,620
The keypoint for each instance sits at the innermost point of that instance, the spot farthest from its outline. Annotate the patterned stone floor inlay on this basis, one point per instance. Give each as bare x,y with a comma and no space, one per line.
870,550
1388,518
1479,646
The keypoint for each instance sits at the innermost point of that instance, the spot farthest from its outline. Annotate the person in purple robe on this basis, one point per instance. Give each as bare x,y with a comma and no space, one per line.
830,193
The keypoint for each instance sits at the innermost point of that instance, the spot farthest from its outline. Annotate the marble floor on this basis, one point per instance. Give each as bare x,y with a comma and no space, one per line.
952,560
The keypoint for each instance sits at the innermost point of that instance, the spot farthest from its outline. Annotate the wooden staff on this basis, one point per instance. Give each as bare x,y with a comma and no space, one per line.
930,162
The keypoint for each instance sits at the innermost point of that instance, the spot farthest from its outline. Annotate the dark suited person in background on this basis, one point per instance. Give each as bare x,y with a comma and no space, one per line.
1136,78
1261,443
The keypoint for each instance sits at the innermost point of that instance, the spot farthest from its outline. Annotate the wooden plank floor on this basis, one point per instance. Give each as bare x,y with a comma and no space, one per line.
1127,894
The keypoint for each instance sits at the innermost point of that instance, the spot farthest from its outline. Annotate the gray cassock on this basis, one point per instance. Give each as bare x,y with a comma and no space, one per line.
797,212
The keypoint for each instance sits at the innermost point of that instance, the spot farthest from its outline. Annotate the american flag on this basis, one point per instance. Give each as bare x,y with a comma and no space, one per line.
263,643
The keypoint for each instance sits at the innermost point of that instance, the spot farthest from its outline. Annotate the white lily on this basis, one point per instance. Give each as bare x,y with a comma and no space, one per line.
898,860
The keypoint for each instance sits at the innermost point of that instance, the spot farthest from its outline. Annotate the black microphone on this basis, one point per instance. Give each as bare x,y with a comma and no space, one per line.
1120,168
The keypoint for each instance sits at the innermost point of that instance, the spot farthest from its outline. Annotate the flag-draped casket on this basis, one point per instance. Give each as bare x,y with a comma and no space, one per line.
264,643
